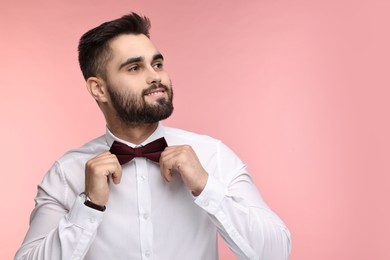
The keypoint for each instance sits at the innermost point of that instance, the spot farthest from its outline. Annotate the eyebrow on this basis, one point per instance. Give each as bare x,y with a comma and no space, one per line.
157,56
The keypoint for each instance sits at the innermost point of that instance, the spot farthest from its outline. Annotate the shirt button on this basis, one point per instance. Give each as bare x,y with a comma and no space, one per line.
146,215
206,203
92,220
142,178
147,253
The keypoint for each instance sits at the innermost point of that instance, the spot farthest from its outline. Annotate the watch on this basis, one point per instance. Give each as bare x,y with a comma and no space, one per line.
89,203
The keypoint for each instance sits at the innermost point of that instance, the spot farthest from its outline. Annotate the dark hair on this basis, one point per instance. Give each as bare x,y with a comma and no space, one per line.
94,49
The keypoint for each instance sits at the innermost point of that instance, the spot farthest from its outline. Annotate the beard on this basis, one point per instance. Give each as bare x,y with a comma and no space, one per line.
132,109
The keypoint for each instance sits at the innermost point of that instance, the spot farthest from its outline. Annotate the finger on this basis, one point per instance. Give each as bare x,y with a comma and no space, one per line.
167,176
171,157
100,161
169,168
109,165
185,151
177,152
170,162
103,167
166,170
117,173
104,157
172,149
104,154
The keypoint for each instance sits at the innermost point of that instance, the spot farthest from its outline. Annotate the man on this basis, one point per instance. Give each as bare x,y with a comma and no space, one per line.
117,197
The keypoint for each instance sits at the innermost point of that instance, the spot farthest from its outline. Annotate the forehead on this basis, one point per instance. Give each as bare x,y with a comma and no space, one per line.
127,46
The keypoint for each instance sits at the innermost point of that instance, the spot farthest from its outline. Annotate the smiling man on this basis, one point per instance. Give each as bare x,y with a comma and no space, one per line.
143,190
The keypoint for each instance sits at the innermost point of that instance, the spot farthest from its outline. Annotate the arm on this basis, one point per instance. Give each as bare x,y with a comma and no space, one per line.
61,231
232,202
243,219
57,231
248,226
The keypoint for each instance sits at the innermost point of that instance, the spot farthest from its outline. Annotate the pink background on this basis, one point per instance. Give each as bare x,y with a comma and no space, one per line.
307,82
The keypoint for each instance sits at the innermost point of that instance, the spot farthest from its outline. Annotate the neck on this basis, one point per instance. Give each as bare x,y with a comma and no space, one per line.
135,134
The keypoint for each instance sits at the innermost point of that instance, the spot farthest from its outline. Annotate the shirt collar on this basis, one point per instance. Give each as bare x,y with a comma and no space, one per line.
158,133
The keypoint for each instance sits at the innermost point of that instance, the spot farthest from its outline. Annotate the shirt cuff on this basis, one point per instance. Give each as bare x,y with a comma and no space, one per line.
212,195
84,217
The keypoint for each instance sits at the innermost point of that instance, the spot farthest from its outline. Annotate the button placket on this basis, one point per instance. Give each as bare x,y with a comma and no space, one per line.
144,207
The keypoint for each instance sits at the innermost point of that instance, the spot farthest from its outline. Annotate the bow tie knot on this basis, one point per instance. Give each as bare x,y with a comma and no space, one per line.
138,152
151,151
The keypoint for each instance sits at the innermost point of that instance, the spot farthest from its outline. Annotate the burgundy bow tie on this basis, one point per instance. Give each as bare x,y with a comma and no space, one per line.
151,151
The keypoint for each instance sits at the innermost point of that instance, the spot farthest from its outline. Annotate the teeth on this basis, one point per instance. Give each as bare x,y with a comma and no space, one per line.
154,93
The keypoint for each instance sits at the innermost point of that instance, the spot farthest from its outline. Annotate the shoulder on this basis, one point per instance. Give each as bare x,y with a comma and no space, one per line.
66,176
84,152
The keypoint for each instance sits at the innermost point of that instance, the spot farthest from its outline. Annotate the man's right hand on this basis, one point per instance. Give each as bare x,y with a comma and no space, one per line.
98,170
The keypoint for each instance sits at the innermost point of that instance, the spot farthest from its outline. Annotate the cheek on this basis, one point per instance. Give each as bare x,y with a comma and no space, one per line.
165,79
129,85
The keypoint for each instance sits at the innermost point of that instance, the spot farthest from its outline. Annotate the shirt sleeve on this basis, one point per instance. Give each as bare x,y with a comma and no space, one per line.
249,227
57,232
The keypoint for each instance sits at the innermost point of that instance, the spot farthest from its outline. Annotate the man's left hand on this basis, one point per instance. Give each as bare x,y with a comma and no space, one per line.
183,160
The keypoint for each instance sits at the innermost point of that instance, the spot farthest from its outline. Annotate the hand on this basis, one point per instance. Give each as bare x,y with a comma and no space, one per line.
183,160
97,173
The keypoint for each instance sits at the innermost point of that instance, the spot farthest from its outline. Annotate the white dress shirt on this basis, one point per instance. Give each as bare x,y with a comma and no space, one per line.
147,218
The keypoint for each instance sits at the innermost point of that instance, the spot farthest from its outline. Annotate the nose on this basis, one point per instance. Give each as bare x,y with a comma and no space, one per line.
153,76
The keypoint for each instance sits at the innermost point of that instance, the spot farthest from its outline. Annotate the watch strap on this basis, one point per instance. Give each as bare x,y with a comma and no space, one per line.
90,204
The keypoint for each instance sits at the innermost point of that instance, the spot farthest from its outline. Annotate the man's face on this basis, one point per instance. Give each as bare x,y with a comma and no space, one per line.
140,90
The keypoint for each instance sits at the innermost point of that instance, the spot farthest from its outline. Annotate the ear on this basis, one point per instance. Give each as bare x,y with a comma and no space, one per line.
97,90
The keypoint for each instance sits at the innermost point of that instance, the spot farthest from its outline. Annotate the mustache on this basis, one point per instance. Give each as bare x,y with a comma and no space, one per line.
155,86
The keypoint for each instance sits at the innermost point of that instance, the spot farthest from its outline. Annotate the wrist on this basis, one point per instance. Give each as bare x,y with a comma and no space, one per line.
202,184
90,204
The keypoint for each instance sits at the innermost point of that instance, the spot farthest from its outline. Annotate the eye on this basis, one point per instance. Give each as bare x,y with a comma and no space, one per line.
133,68
158,65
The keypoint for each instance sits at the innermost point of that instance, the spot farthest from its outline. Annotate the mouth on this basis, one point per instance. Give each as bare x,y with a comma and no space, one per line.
157,92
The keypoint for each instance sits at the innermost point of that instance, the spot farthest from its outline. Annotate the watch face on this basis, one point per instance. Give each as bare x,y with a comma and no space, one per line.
84,196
